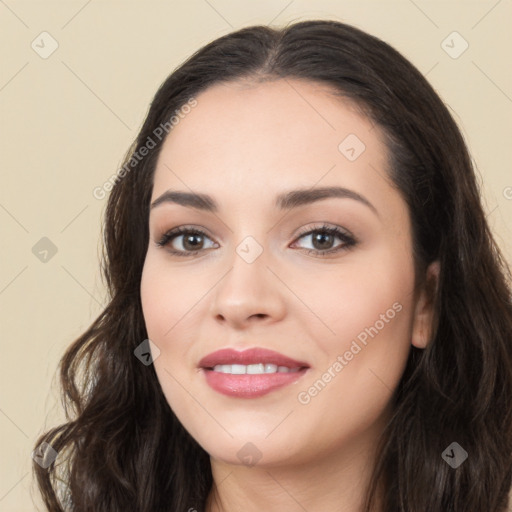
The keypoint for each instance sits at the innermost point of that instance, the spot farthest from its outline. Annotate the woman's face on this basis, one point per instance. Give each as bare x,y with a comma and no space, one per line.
256,277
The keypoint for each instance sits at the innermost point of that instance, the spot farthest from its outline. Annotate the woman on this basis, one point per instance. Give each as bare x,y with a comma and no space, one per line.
308,309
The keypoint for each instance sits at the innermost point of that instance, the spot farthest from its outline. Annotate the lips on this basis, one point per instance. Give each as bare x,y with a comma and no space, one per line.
250,384
251,356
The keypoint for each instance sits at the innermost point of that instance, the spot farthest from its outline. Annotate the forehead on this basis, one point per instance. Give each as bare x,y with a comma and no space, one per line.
246,136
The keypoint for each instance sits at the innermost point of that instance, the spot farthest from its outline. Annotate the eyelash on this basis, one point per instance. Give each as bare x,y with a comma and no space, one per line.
349,240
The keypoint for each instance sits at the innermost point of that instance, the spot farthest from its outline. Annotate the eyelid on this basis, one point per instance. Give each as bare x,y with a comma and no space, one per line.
171,234
347,238
323,226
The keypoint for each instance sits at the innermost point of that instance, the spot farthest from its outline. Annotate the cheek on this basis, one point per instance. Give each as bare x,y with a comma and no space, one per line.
165,302
168,296
164,305
369,297
172,299
364,335
363,355
155,302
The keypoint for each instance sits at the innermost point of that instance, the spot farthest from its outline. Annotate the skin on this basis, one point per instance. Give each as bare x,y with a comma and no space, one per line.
243,144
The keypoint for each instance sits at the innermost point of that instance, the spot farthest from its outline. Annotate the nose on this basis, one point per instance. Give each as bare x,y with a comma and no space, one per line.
248,294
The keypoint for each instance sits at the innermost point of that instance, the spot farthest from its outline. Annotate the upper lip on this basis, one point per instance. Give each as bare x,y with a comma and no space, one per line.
250,356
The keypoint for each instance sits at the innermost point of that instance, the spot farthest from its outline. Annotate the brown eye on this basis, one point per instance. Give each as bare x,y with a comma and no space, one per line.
187,241
184,241
323,241
323,237
192,241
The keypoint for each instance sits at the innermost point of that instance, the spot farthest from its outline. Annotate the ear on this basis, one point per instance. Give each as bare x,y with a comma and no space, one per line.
422,329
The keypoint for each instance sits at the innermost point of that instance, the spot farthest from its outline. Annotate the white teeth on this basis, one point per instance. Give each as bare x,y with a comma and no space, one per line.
238,369
255,368
252,369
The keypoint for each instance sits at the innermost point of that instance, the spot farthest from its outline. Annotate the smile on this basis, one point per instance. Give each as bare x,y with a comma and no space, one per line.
253,369
250,373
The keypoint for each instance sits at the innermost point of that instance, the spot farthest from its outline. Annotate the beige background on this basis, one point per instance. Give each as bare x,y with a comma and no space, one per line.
67,120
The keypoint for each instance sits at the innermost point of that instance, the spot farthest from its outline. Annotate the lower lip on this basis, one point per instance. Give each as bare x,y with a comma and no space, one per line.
249,386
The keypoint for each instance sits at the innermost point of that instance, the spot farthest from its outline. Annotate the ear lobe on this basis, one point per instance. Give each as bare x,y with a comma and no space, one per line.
425,306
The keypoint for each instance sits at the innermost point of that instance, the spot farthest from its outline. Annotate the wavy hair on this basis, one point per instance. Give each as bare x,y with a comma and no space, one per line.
122,448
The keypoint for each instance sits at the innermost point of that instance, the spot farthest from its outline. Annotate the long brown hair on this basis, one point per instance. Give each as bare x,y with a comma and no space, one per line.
123,448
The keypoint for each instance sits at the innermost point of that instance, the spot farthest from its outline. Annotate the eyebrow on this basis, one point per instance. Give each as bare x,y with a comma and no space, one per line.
285,201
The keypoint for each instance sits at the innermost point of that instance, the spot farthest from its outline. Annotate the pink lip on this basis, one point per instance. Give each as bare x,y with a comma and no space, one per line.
250,356
249,385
